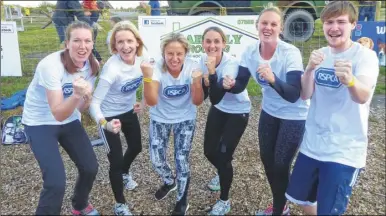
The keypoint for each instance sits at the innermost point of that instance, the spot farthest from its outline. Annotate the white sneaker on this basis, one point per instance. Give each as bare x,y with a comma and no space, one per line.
214,184
129,182
121,209
221,207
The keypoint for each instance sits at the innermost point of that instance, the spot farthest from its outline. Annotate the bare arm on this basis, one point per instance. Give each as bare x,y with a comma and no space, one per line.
60,108
361,91
197,92
308,84
150,92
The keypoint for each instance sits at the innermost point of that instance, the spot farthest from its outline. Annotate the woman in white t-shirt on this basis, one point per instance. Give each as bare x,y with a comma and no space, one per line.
277,67
227,117
60,90
173,89
114,108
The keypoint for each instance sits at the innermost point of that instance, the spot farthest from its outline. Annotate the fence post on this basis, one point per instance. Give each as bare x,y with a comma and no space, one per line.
148,10
378,11
223,11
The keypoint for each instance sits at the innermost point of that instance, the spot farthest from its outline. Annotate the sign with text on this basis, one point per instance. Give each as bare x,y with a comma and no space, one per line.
10,54
240,31
375,32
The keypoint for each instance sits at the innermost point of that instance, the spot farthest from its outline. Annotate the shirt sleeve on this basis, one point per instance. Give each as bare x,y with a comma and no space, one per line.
109,73
98,96
231,68
368,66
49,77
294,61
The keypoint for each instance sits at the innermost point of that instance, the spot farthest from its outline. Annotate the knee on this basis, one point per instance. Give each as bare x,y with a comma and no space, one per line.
91,169
55,184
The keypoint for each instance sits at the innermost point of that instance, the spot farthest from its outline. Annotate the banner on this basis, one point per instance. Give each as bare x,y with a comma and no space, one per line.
373,34
239,30
10,54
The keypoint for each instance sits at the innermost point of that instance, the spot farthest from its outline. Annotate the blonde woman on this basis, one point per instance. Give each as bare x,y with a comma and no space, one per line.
277,67
115,109
173,89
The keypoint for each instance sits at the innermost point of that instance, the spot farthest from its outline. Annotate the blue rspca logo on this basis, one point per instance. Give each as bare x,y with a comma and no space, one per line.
132,85
326,77
176,91
67,90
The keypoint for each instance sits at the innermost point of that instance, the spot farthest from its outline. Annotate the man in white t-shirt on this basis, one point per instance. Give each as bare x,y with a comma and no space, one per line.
340,80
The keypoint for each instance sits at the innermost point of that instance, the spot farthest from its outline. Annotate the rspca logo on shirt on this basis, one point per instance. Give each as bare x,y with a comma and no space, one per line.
326,77
132,85
67,90
176,91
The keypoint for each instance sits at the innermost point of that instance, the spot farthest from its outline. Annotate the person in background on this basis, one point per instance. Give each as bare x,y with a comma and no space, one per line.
173,89
92,10
65,13
154,5
60,90
334,147
367,10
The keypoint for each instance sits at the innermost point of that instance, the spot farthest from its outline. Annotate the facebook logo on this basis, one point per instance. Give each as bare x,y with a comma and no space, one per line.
146,22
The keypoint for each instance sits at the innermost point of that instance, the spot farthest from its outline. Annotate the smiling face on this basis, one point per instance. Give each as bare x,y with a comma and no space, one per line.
80,45
269,27
174,54
126,44
213,43
337,31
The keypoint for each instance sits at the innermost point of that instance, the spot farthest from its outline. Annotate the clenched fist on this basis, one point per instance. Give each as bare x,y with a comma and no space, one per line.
228,82
113,126
196,75
147,69
211,64
137,107
265,72
343,70
80,87
316,58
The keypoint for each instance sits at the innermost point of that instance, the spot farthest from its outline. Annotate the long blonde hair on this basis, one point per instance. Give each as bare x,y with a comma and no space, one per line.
173,37
126,26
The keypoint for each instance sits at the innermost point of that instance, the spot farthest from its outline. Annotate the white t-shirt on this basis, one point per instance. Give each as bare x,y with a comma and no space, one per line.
174,95
230,103
118,95
285,59
50,74
336,126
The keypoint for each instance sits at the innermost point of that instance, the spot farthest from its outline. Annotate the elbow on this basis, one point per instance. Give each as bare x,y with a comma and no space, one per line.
59,117
361,100
304,96
152,102
198,102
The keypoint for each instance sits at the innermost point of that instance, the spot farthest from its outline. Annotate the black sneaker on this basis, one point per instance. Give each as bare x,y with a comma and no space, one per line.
181,208
164,190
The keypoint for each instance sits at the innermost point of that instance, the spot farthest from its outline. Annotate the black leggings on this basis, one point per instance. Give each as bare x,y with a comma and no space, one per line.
119,163
222,135
279,140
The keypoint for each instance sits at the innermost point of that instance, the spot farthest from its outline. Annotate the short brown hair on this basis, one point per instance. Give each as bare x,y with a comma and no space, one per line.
65,55
338,8
126,26
216,29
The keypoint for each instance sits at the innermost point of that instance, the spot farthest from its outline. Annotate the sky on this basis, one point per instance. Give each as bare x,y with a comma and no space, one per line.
115,4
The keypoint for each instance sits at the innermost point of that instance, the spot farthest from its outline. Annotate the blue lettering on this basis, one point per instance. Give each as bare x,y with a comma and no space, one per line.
176,91
326,77
67,90
132,85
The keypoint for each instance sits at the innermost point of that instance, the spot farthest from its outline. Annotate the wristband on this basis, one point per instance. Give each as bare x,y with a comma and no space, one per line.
351,83
103,123
148,80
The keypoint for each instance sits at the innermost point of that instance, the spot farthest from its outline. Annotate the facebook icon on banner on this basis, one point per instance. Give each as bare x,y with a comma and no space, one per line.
146,22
